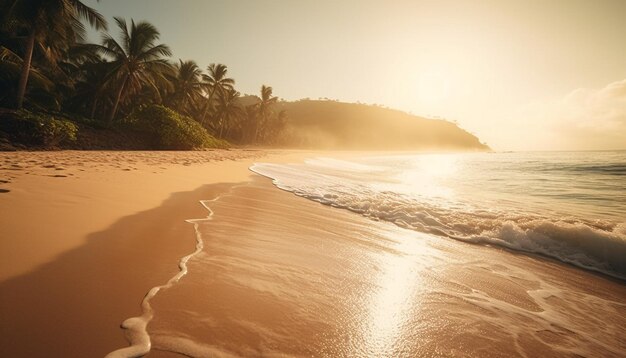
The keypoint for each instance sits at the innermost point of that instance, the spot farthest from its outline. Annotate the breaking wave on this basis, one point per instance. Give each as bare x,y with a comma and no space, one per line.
594,244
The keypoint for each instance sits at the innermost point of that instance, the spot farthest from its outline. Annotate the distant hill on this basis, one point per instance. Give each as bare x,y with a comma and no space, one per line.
338,125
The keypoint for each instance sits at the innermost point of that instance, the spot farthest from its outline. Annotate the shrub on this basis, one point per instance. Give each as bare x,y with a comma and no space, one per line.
37,128
171,130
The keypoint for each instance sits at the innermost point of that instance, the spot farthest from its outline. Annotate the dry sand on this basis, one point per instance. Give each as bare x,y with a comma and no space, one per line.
84,235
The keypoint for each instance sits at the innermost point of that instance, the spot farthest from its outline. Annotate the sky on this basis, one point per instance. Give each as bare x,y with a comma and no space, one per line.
521,75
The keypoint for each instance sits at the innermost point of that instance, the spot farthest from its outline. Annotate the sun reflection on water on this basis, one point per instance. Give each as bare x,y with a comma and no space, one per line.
426,176
393,303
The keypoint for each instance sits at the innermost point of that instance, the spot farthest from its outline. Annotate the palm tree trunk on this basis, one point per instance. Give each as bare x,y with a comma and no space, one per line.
222,127
208,104
93,108
118,97
28,56
256,132
259,123
181,105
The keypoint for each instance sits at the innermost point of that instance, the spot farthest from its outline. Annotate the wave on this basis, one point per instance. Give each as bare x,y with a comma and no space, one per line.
597,245
607,169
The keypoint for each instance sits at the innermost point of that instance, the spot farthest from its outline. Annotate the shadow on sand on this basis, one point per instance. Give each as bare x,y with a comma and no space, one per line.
73,305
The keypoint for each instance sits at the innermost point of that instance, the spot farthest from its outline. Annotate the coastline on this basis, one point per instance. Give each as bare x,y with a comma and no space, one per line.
86,234
74,193
279,274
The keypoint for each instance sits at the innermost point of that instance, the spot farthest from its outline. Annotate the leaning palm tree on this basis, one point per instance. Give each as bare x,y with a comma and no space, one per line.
187,86
136,61
215,82
10,67
264,109
37,21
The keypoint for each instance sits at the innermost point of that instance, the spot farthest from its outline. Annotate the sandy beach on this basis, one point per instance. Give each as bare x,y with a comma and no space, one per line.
85,235
319,179
282,276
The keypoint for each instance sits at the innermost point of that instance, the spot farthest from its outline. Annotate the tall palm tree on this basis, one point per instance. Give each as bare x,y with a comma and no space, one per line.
136,61
187,86
264,108
228,110
37,21
215,82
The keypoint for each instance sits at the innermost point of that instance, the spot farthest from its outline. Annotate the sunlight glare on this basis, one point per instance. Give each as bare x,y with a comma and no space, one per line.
432,87
393,303
428,175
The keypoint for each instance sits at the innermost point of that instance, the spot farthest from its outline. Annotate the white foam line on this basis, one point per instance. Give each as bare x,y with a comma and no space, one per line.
136,327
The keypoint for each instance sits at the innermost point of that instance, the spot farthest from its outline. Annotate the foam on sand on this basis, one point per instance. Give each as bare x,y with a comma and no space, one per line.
136,332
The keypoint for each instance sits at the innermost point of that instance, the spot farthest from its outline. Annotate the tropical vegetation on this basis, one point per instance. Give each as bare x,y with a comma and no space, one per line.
127,91
129,81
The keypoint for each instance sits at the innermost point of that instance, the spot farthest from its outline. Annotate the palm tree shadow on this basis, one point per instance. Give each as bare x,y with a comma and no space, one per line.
73,305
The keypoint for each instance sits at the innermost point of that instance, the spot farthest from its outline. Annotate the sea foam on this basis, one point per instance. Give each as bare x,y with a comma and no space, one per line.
597,244
136,327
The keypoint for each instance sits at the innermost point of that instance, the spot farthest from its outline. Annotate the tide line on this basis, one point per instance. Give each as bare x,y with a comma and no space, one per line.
136,327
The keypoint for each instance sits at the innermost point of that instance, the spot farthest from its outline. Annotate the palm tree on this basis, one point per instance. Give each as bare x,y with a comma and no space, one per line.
228,109
264,108
187,86
249,124
216,82
277,126
10,69
90,88
136,62
38,21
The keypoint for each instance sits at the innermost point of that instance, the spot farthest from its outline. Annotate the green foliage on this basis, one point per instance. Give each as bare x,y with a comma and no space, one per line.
171,130
38,128
92,85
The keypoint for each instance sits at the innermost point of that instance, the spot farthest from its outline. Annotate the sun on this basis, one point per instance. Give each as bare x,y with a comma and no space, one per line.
432,87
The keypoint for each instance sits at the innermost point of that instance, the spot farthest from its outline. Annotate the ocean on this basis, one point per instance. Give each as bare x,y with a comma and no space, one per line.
570,206
407,255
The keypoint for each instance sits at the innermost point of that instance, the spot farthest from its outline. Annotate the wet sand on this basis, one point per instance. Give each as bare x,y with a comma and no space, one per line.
79,250
279,275
284,276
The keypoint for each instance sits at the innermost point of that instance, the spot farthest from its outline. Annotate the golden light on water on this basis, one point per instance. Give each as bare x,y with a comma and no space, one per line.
393,303
427,177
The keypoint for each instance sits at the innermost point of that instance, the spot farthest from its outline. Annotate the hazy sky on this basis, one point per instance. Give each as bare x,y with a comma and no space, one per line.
519,74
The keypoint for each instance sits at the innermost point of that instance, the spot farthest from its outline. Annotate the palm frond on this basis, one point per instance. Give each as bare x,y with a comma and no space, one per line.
154,52
110,47
126,39
95,19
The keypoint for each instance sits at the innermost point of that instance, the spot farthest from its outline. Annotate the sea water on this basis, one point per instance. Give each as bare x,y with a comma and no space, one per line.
570,206
388,272
282,276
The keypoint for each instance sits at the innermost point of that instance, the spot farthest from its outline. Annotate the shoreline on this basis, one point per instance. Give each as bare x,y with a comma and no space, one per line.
281,275
79,252
291,257
75,193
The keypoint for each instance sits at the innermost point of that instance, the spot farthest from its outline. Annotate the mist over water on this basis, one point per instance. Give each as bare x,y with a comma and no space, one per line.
566,205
